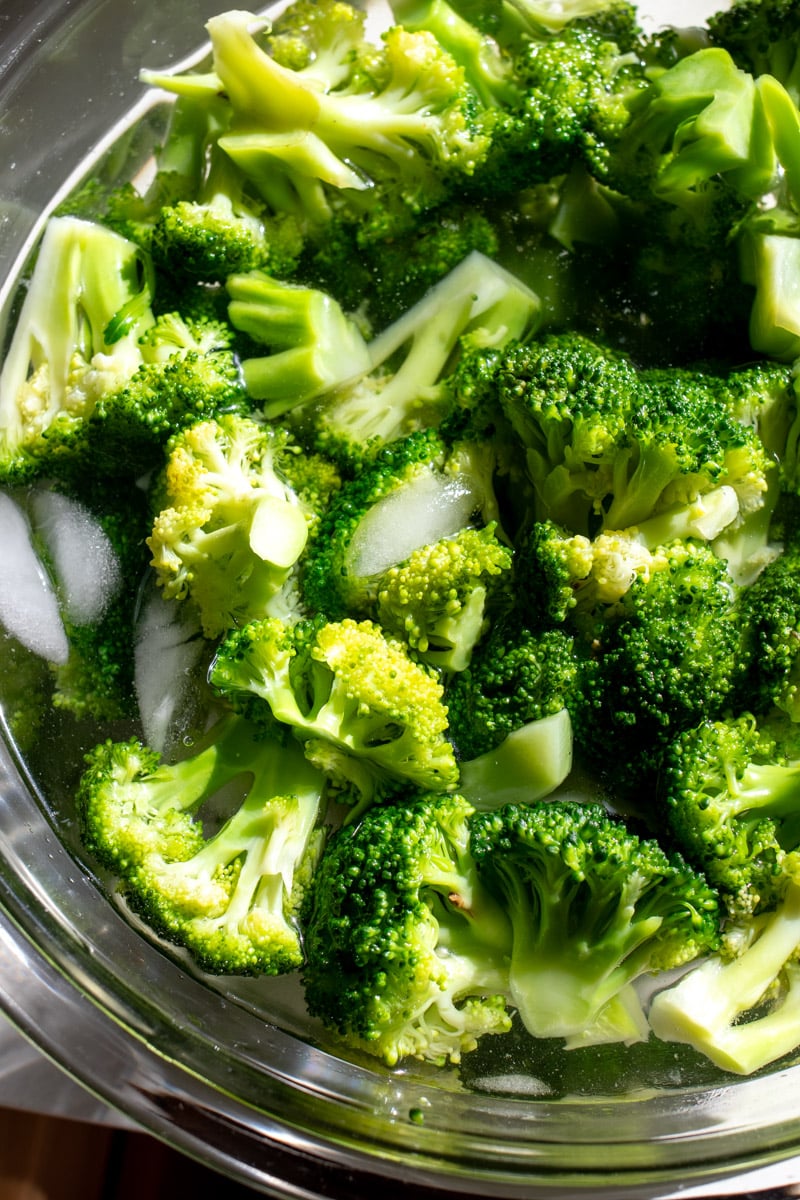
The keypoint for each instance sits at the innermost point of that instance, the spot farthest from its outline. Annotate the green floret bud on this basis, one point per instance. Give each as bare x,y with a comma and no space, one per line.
671,657
231,527
228,898
312,345
478,303
770,611
406,949
731,795
345,683
515,677
592,907
436,599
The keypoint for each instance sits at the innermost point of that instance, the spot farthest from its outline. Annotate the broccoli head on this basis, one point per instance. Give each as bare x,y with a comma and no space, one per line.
730,787
347,685
230,897
405,947
592,907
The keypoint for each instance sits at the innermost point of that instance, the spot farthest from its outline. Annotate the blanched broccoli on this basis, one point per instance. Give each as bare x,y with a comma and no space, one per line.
770,612
311,344
730,787
608,444
436,600
509,713
231,527
406,948
671,656
363,709
741,1011
478,303
230,897
416,492
592,907
399,117
76,339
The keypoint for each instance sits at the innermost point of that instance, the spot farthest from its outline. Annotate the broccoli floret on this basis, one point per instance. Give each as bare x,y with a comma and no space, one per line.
173,333
671,656
770,613
320,38
741,1012
415,492
700,119
577,90
76,339
385,276
406,949
761,35
345,684
437,599
730,790
231,527
509,714
610,445
400,117
568,577
489,72
312,345
592,907
230,897
406,390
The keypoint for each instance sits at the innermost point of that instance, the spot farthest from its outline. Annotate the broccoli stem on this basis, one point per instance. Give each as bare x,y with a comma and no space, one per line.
704,1007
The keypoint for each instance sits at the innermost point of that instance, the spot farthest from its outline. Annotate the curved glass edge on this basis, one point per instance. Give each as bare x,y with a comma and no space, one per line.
254,1102
260,1105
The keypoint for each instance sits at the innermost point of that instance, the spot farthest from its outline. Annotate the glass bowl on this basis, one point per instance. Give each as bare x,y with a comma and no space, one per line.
233,1072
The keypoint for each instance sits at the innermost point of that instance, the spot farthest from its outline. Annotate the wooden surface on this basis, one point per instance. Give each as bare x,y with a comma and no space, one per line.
51,1158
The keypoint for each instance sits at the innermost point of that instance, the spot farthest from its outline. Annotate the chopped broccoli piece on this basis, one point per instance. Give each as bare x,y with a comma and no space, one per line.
730,787
671,656
347,684
770,612
76,339
741,1012
406,949
230,898
592,908
761,36
436,600
312,344
231,527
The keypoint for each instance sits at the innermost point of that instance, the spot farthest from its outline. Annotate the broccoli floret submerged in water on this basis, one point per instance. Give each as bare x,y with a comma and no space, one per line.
434,402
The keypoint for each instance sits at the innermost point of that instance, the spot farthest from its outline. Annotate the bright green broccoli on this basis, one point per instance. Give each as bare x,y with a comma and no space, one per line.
611,445
311,344
740,1011
770,613
730,790
230,897
406,950
437,599
399,120
75,340
509,713
415,492
671,655
593,907
363,709
231,527
477,303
